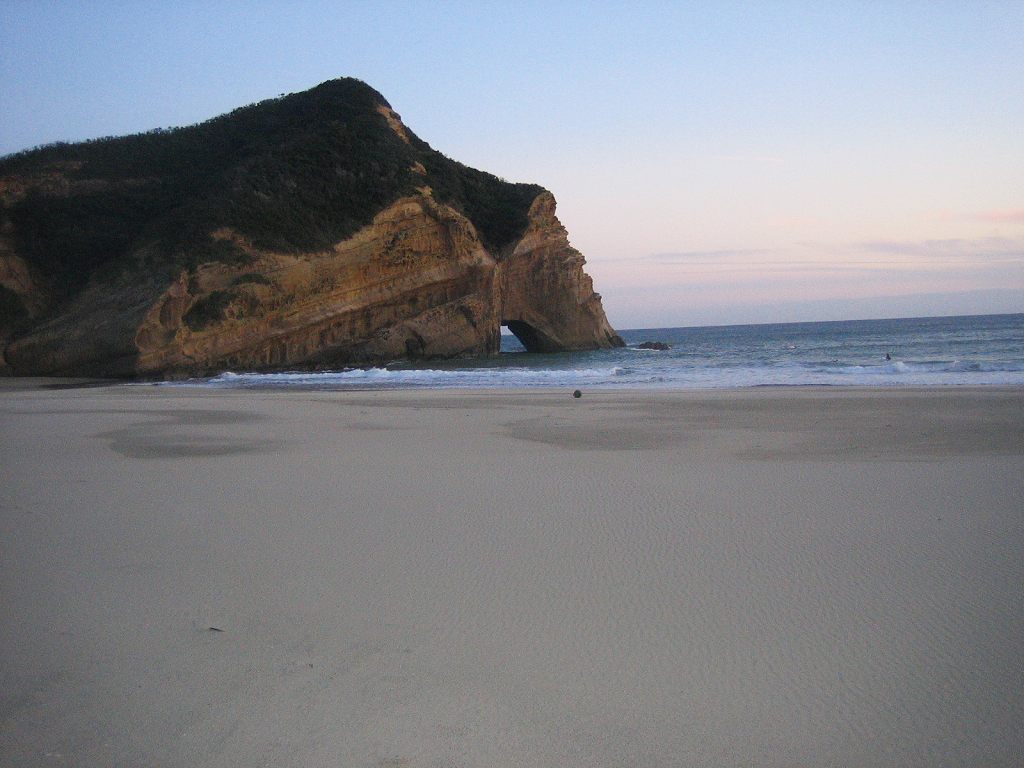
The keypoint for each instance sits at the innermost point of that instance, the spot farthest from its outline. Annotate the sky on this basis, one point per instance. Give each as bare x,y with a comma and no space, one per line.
715,162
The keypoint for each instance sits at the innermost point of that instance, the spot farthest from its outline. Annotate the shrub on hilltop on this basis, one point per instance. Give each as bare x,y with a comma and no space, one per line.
295,173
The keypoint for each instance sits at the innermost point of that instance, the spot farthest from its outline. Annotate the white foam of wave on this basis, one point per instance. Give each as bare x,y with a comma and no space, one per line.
925,366
416,377
650,373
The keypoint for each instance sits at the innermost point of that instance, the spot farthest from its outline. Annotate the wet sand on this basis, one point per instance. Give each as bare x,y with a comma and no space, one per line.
810,577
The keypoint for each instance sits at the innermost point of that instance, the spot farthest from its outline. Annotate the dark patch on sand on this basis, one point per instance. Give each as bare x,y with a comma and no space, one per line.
615,433
29,383
81,384
877,426
186,434
884,425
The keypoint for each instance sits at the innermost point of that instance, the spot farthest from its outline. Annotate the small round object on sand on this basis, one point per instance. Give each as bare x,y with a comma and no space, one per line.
577,393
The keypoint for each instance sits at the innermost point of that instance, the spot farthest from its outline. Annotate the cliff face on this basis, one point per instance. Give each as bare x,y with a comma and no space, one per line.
418,280
546,298
415,283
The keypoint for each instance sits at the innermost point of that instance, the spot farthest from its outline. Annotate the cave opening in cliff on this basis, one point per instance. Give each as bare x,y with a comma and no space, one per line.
532,339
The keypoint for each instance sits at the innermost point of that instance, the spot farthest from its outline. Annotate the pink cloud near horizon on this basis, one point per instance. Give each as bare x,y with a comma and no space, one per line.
1006,216
995,216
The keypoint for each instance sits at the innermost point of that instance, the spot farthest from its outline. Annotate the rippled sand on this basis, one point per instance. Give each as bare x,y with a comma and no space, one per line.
758,578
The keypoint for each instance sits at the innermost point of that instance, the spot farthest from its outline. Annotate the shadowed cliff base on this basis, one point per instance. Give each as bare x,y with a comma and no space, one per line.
531,339
310,231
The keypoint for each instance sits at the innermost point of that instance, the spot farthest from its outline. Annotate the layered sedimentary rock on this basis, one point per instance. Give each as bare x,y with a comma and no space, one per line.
546,298
419,280
415,283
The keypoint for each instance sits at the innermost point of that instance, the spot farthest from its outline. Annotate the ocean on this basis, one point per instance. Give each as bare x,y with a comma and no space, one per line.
934,351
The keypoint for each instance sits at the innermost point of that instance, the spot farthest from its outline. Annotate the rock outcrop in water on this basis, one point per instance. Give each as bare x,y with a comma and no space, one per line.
311,231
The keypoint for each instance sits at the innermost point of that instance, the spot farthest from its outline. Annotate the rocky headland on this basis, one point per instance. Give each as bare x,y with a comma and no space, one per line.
310,231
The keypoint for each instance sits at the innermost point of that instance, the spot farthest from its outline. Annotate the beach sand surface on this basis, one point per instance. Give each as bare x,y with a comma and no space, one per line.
798,577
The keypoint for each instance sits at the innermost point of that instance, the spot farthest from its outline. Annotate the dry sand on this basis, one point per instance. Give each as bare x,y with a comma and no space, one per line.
750,578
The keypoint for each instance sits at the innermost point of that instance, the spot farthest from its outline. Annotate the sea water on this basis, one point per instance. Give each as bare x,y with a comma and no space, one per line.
937,351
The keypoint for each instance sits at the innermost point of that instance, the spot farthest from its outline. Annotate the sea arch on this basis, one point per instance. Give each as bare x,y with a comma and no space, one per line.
532,338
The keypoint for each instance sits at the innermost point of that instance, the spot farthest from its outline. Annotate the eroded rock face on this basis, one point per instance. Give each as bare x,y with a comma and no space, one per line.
416,283
546,298
310,231
413,284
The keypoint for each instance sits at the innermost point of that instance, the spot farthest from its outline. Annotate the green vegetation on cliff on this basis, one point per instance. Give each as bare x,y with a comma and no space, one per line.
296,173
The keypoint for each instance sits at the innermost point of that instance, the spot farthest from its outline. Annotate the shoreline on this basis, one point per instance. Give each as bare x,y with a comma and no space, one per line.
485,577
16,383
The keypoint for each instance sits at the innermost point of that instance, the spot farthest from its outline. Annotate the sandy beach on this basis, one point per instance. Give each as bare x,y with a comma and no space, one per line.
767,577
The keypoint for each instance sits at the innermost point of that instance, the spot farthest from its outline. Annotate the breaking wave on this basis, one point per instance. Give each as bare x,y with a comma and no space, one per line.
923,352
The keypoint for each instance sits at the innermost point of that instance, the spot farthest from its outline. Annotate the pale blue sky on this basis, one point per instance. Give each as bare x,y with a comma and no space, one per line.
715,162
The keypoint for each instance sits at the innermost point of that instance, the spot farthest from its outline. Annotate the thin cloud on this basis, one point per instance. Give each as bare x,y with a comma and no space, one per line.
995,216
850,254
958,248
758,159
1006,216
925,258
795,222
706,257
